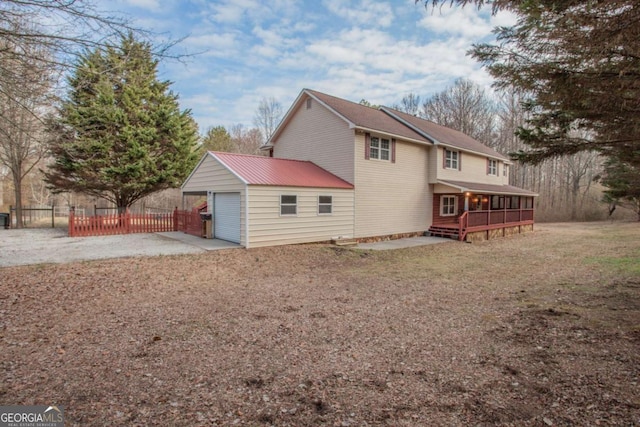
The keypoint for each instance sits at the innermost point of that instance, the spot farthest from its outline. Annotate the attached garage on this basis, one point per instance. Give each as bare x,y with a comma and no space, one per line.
262,201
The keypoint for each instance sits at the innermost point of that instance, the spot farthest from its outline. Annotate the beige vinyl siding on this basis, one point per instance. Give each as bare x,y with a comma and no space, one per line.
269,228
210,172
391,197
474,169
318,135
434,163
210,175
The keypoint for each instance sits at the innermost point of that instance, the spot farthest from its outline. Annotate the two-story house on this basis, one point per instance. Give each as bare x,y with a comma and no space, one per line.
341,169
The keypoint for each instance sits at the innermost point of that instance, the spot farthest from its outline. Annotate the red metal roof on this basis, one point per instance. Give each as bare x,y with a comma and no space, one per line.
261,170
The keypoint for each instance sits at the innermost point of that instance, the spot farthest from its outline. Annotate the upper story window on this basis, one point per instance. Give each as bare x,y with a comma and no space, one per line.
288,204
451,159
379,148
492,167
505,170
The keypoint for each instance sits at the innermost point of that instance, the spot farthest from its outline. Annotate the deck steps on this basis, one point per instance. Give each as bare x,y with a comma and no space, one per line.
438,231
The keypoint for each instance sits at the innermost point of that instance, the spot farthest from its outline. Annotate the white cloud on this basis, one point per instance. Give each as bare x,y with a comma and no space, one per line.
364,12
504,18
256,50
456,21
229,11
220,45
152,5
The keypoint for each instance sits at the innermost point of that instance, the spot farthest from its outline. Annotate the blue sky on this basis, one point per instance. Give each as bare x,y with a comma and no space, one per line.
247,50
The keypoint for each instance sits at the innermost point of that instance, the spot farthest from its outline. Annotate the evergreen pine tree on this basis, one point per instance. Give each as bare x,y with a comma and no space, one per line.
120,134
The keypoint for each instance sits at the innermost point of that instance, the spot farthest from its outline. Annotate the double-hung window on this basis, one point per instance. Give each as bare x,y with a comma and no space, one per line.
325,205
448,205
288,204
451,159
492,167
379,148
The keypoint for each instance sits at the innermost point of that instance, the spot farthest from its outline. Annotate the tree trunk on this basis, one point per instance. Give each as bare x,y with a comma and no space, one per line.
17,184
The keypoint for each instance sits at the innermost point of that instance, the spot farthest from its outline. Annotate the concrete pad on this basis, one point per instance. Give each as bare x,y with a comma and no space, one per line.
200,242
403,243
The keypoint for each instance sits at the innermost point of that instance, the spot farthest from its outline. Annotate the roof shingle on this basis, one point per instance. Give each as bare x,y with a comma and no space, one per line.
445,135
366,117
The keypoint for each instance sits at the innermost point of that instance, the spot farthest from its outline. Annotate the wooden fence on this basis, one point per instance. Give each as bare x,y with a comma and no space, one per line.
189,221
125,223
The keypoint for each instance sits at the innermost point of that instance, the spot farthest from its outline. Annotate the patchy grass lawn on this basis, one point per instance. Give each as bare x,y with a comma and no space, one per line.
540,329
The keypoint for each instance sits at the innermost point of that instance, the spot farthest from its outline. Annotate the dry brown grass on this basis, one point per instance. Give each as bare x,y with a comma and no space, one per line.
539,329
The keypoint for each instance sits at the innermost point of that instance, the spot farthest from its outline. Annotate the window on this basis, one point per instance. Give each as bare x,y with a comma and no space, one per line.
309,103
497,202
515,202
288,204
528,203
379,148
451,159
505,170
448,205
325,205
492,167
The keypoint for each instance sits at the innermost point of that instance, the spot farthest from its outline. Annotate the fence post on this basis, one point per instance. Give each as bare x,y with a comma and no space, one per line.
175,219
127,221
53,216
72,214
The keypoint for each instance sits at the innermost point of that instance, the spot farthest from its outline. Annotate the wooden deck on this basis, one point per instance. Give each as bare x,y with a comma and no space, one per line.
482,220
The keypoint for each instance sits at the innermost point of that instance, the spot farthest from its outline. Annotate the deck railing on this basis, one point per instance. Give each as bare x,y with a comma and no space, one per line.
471,221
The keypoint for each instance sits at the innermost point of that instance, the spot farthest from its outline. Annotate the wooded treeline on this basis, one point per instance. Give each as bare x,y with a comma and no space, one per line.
566,184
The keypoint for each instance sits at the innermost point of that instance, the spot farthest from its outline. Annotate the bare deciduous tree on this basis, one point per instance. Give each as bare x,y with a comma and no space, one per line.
246,141
465,107
410,104
267,117
25,89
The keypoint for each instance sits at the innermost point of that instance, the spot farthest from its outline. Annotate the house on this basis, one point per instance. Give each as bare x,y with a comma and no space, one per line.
341,169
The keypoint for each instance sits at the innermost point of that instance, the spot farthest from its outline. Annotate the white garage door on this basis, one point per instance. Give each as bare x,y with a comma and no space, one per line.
226,216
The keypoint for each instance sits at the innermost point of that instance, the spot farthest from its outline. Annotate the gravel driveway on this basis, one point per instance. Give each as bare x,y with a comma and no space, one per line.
51,245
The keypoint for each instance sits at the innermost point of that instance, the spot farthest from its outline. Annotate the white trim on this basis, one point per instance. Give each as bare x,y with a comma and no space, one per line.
287,204
457,168
246,215
495,172
325,204
380,149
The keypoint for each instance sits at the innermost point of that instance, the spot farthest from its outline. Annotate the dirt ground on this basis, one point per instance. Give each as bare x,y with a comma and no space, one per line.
540,329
